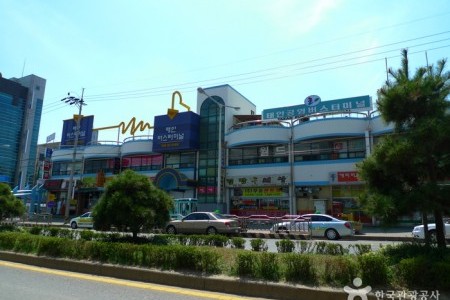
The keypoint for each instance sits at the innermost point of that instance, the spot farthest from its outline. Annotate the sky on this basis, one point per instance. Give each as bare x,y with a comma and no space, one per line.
130,56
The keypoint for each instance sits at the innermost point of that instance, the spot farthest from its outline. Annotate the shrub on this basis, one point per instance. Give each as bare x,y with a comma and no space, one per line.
299,268
374,269
305,247
52,231
54,247
195,240
320,247
360,249
334,249
207,261
339,270
258,245
216,240
26,243
414,271
284,246
159,239
98,251
68,234
268,267
245,264
237,242
8,240
36,230
87,235
8,227
408,250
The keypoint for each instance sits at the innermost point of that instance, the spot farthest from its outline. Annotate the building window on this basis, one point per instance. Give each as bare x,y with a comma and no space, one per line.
330,149
142,162
251,155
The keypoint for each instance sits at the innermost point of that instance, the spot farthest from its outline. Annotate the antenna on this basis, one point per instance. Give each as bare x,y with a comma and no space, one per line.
23,68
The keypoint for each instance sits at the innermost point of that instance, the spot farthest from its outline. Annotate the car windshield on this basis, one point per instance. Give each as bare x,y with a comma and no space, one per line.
219,216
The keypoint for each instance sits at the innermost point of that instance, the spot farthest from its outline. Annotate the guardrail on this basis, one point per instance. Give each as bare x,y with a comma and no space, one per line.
37,217
276,224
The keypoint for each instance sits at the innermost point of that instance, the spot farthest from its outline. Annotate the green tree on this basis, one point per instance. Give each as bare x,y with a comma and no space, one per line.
406,171
10,206
131,201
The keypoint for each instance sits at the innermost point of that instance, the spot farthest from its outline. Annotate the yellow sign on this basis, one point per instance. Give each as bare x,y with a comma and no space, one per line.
262,191
172,112
141,126
131,125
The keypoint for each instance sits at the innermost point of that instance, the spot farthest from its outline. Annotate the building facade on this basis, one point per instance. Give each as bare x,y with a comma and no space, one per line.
288,160
21,102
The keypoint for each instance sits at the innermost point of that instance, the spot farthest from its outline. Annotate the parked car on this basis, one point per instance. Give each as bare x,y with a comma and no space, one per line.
176,216
320,225
418,231
83,221
203,222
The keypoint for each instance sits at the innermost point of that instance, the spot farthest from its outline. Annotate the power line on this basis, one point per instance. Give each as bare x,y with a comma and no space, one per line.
240,79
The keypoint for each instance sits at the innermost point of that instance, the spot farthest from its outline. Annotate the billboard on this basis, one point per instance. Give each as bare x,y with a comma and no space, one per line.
353,104
70,127
175,134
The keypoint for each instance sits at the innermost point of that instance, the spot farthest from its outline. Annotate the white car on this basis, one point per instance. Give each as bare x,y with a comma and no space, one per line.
319,225
84,221
418,232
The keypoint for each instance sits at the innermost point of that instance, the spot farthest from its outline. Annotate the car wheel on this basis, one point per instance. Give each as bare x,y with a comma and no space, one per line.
73,225
331,234
171,230
211,230
282,229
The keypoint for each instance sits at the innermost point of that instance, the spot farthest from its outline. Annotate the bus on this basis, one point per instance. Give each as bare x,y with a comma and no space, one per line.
183,207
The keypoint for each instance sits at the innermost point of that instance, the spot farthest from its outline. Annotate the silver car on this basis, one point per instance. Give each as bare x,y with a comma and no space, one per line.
203,223
319,225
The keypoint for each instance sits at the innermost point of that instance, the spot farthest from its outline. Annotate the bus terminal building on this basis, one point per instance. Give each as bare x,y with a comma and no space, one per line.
286,160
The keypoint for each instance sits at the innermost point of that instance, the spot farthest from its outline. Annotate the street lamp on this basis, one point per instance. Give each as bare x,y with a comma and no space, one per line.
219,143
78,102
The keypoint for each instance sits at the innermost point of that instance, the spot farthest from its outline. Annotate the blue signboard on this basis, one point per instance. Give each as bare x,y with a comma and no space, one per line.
70,127
354,104
179,133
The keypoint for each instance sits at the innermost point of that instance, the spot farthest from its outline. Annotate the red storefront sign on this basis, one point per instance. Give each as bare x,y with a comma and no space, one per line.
349,176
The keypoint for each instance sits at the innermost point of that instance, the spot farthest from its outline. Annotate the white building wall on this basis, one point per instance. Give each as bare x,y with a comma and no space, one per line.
318,172
329,127
231,98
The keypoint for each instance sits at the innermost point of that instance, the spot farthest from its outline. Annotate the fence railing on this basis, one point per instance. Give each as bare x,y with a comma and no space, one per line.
295,225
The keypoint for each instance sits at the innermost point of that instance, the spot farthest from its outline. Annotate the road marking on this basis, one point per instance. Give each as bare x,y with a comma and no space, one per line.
134,284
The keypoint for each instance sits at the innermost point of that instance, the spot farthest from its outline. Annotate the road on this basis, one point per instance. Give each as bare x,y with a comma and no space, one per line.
18,282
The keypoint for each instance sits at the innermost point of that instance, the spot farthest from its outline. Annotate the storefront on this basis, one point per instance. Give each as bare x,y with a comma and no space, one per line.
259,195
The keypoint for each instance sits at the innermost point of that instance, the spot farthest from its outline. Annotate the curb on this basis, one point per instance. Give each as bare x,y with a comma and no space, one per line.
239,287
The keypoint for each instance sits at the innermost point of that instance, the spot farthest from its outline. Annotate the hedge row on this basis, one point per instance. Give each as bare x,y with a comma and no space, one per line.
416,268
258,244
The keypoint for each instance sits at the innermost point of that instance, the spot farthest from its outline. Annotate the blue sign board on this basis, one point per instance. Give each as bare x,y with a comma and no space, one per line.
354,104
70,127
179,133
48,152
